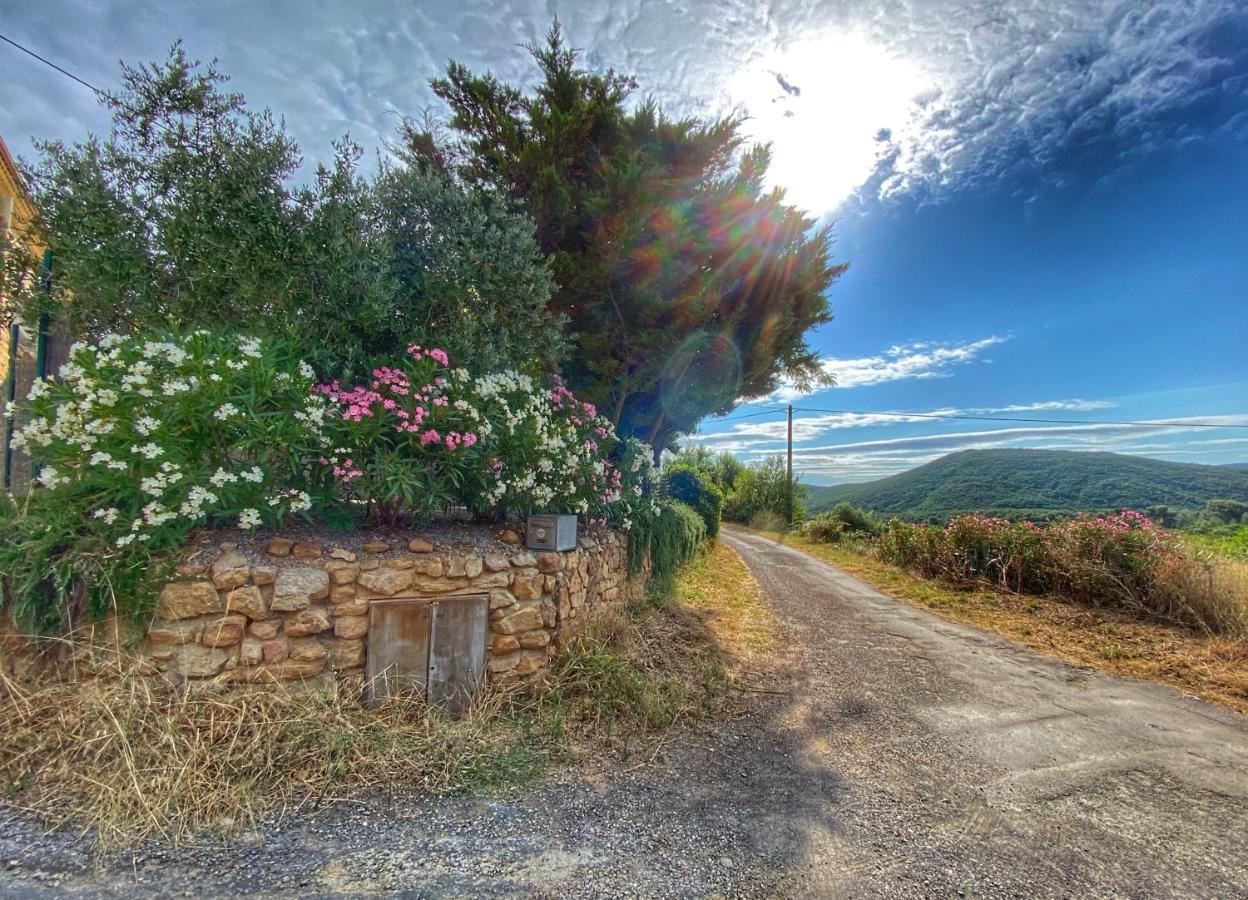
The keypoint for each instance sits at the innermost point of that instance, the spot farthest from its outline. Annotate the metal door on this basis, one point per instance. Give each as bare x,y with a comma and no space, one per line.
433,646
457,649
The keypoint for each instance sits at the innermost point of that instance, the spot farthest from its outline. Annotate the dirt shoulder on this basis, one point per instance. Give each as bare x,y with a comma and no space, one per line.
1209,667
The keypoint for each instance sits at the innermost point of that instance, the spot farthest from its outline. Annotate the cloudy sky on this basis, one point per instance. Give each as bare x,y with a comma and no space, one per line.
1042,202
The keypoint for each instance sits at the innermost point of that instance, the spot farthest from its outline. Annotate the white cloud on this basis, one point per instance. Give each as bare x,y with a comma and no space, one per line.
901,362
967,91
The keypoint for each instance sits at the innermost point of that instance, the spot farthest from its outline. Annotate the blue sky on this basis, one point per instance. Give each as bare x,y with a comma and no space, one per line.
1042,203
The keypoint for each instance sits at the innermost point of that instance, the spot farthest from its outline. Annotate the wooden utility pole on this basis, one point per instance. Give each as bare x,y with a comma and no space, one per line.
788,500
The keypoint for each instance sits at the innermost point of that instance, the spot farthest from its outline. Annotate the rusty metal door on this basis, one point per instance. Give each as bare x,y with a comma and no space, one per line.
398,647
457,649
432,646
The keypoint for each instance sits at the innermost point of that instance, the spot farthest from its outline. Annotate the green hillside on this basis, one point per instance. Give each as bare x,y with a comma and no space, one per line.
1036,483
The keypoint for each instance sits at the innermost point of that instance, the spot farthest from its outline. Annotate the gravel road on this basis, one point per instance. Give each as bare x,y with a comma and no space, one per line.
887,753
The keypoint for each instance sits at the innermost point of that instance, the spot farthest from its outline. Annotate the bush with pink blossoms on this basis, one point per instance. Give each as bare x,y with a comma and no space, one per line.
1121,560
420,437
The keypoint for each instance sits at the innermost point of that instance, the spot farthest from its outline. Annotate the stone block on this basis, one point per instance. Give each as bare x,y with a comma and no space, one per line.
342,572
224,632
229,570
523,618
550,562
495,562
492,580
473,566
500,598
306,622
402,562
419,545
187,599
274,650
251,653
504,643
530,661
248,601
304,649
296,589
376,546
265,631
352,608
198,661
305,550
523,560
385,581
353,627
344,555
532,640
497,665
344,653
527,587
286,670
432,567
263,575
186,631
280,547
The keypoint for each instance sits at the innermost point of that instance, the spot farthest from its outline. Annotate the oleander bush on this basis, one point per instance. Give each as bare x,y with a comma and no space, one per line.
138,441
1121,560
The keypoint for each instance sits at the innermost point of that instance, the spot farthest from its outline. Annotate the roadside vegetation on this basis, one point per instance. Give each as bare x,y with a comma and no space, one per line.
1115,593
126,757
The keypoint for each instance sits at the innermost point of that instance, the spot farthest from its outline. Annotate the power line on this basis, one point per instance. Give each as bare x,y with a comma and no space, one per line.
48,62
905,415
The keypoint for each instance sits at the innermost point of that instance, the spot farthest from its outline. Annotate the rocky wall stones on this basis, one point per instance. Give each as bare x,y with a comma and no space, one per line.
294,608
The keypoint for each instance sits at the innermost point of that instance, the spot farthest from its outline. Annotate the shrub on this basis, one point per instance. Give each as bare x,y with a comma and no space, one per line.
823,529
142,440
763,487
695,489
1121,560
421,436
666,540
844,519
137,443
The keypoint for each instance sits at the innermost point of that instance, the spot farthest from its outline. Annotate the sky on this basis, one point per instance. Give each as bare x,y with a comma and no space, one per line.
1042,203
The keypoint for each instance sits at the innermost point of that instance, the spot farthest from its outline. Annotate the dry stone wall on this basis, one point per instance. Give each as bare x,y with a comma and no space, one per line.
296,607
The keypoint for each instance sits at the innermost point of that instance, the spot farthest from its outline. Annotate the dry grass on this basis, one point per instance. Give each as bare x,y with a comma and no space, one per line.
669,659
1211,667
127,757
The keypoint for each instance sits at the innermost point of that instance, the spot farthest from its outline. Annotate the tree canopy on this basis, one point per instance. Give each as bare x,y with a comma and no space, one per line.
687,285
190,213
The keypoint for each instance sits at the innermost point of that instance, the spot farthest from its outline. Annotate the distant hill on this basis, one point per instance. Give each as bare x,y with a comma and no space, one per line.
1236,465
1037,484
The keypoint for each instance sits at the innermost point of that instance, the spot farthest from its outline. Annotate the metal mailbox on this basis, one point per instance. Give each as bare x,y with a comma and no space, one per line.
551,532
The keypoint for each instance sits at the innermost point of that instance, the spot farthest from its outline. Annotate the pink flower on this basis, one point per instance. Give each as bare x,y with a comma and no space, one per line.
430,437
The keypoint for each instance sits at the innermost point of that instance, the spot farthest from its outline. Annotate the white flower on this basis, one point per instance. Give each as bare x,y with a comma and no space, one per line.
306,370
226,410
38,389
108,514
149,450
145,425
255,475
50,479
220,478
235,364
123,540
99,458
248,519
249,346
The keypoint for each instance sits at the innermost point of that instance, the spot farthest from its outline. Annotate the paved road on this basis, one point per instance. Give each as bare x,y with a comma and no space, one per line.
887,753
995,769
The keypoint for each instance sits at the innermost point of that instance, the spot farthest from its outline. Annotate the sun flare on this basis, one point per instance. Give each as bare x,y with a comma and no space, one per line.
830,106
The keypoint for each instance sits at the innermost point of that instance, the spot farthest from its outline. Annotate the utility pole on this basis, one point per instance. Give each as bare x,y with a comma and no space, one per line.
788,518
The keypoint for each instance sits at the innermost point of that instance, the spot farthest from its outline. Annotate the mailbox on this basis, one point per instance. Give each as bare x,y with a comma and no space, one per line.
551,533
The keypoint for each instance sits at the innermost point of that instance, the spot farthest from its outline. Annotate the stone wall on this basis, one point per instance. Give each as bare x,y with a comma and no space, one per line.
296,606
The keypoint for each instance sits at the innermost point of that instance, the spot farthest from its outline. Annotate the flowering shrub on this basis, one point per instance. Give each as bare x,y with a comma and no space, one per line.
421,436
141,440
1120,560
137,442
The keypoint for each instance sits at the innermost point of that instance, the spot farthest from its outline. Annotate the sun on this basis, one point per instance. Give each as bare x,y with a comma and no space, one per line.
830,106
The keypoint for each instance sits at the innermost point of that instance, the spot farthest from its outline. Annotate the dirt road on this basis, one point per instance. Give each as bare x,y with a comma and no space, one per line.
887,753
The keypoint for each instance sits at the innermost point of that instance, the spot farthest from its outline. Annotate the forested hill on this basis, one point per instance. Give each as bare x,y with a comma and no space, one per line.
1037,483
